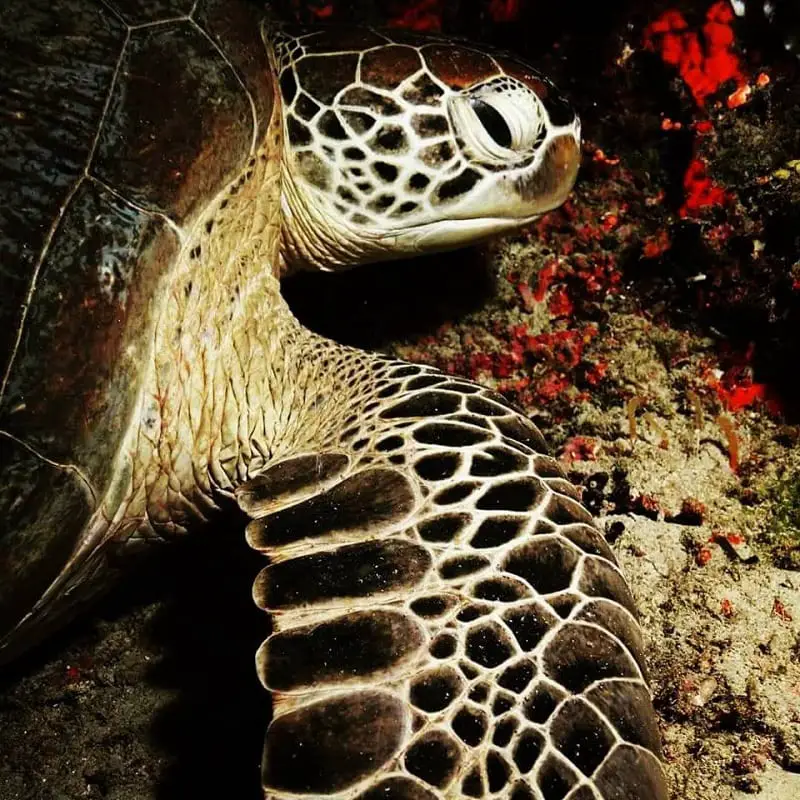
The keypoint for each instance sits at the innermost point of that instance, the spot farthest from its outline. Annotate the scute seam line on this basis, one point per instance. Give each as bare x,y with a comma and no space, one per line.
171,224
57,464
239,80
60,216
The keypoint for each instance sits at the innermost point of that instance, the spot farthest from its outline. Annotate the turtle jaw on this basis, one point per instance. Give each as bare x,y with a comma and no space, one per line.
519,200
314,238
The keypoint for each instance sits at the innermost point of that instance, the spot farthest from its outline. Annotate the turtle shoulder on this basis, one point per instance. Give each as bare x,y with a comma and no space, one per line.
121,122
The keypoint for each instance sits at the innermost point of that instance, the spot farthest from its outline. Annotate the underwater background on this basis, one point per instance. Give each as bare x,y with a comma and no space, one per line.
649,326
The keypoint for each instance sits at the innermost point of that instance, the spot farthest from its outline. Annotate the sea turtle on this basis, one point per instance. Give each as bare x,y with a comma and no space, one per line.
447,621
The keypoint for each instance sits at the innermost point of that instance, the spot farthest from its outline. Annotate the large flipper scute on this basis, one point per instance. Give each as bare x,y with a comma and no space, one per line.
447,621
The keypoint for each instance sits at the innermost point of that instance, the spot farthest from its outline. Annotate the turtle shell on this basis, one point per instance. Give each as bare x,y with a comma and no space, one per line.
121,119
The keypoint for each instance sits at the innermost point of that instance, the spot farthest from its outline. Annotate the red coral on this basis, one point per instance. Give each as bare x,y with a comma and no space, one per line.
596,373
544,279
423,15
726,608
648,506
740,96
599,157
478,363
505,364
743,396
705,60
699,190
737,389
609,222
735,538
72,674
739,397
552,385
560,305
504,10
323,12
598,272
657,245
703,556
580,448
567,346
318,9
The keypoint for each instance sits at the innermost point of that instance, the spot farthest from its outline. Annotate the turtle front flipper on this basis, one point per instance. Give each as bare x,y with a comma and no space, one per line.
447,621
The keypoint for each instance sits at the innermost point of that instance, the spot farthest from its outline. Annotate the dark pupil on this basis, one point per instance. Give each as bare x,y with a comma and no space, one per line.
494,123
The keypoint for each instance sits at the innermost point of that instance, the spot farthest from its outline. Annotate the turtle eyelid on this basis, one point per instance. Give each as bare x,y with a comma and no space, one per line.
493,122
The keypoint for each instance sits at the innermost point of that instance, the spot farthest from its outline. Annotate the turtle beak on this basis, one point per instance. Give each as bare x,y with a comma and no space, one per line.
548,186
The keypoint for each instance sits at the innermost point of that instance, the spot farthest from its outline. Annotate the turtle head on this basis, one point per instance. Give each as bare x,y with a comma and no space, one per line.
397,144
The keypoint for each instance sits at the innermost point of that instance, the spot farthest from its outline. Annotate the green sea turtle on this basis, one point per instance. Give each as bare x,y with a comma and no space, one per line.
447,622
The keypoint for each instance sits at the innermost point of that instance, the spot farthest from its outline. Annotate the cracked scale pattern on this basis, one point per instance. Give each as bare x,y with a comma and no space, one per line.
448,622
370,128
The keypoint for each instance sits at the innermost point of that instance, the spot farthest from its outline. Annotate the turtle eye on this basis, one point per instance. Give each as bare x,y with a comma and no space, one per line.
499,121
493,121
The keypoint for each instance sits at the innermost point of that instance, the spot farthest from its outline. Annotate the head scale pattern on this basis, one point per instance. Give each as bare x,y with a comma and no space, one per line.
392,133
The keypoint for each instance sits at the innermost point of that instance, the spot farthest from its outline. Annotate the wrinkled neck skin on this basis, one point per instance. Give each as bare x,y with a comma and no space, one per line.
235,380
227,375
311,241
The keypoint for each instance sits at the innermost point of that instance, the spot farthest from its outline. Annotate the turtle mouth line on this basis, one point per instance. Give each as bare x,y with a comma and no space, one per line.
452,233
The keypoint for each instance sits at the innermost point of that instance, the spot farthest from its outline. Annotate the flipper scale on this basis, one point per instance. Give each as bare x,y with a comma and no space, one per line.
448,621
